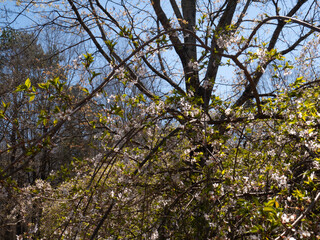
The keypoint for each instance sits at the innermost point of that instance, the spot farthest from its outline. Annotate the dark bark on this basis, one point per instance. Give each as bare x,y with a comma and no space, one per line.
274,39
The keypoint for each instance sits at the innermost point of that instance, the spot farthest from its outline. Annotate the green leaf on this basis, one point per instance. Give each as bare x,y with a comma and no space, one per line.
255,229
270,203
94,74
28,83
42,85
85,90
269,209
31,98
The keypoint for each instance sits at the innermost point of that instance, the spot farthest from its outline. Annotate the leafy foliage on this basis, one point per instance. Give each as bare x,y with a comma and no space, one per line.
147,145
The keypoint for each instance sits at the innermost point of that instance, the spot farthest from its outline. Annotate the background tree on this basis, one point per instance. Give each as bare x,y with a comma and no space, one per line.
24,118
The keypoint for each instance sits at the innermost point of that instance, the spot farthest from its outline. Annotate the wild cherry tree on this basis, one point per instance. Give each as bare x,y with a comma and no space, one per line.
212,132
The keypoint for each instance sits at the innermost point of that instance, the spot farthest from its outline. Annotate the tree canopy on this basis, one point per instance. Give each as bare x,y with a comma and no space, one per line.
165,120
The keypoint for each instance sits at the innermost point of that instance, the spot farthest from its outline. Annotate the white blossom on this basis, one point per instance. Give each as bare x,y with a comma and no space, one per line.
194,65
228,111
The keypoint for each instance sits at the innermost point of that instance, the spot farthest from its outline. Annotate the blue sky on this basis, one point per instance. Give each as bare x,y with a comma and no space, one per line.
226,72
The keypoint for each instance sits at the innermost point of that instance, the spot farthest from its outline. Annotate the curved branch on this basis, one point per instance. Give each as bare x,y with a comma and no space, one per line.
314,201
155,149
85,27
293,46
177,12
6,173
166,78
286,19
139,85
104,217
